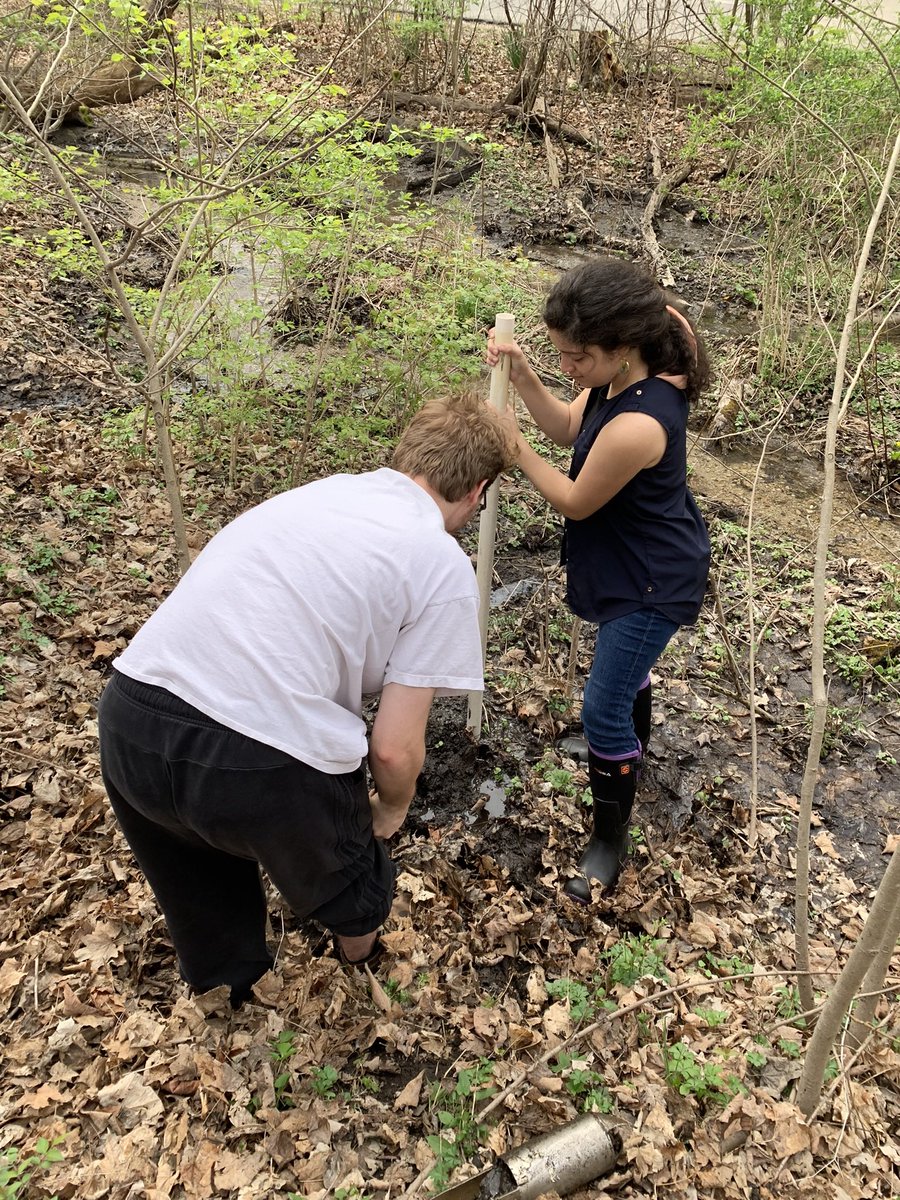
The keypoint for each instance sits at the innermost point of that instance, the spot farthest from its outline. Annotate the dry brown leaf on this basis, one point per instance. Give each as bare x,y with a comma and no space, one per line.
379,995
825,844
100,946
557,1021
132,1100
10,977
522,1036
418,891
46,1096
409,1096
236,1172
704,929
790,1133
400,941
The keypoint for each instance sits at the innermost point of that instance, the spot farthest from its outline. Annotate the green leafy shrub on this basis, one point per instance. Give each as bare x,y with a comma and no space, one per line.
17,1170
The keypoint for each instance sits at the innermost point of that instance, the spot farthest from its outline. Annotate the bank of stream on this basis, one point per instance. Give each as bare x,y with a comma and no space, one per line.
785,489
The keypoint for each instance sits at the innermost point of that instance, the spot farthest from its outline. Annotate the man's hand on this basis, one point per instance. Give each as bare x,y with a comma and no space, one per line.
386,818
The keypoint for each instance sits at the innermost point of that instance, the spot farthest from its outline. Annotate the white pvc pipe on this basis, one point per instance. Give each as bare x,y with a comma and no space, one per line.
504,324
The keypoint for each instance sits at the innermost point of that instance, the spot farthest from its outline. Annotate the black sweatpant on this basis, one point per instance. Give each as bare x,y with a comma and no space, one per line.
203,808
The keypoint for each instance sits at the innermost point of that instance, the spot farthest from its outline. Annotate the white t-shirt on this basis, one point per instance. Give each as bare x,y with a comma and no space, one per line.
308,602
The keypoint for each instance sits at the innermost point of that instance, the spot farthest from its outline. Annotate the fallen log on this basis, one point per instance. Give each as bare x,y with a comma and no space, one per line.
539,123
666,183
90,70
66,96
451,179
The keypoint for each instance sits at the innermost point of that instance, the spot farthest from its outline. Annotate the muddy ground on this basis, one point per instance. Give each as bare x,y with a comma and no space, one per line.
156,1094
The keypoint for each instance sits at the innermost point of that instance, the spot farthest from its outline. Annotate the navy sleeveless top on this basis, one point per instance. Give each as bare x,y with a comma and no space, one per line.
648,545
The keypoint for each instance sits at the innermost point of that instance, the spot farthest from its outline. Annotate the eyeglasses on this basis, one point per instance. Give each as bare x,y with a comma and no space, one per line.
482,502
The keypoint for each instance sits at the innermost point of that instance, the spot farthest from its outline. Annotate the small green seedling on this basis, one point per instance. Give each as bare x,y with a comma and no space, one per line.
584,1084
460,1132
323,1081
17,1170
690,1077
633,957
581,1006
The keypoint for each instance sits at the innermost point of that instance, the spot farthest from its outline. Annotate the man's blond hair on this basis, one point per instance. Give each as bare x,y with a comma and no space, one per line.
453,443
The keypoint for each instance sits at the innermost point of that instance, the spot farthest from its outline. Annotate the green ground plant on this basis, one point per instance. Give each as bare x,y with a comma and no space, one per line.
704,1081
844,729
580,998
559,780
31,576
324,1081
396,992
585,1085
788,1006
757,1059
634,956
863,642
281,1049
714,1017
18,1169
452,1106
714,966
789,1047
631,958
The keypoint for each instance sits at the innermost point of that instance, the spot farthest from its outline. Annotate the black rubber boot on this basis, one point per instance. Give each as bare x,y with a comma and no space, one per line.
613,785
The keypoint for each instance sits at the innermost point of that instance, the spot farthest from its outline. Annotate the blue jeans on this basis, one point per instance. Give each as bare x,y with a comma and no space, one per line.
626,650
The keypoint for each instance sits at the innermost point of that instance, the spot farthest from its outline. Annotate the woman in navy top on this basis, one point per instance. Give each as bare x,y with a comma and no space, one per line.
635,546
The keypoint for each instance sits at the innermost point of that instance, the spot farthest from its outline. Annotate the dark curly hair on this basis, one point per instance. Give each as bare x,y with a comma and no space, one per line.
612,303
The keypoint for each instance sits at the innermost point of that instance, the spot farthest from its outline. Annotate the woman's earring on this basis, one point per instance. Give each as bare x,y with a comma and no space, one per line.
625,367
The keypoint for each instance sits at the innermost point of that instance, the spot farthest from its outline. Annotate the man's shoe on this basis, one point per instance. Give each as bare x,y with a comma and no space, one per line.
574,746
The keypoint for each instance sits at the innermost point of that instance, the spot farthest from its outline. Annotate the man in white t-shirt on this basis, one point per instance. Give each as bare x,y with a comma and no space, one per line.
231,732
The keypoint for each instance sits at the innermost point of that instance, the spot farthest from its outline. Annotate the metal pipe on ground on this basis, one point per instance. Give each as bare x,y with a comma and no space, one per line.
560,1161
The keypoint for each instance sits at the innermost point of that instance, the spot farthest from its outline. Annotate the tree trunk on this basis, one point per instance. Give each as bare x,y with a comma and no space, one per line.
861,1020
819,694
531,78
845,988
860,963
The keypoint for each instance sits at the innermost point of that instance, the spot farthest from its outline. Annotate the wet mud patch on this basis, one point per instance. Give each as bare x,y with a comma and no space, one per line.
786,495
519,850
697,790
463,780
475,790
454,767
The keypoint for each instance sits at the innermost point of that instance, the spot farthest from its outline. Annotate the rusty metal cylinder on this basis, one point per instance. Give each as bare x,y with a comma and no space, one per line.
564,1159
